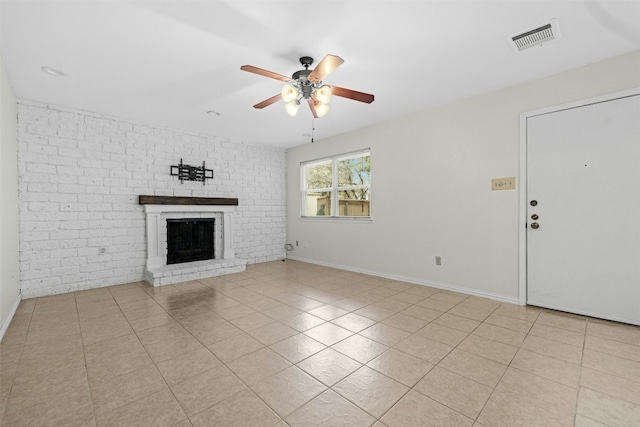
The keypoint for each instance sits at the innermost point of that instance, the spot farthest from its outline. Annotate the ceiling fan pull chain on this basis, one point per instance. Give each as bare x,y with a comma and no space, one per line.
313,128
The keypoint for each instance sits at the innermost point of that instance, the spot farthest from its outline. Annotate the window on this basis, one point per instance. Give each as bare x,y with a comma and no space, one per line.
337,186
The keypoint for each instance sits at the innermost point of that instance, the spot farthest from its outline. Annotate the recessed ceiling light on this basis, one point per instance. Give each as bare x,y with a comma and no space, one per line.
52,71
213,113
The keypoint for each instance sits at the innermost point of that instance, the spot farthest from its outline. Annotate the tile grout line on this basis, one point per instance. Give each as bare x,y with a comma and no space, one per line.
86,366
584,344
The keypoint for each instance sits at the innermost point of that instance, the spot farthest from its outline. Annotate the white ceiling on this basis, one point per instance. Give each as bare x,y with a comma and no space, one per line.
166,63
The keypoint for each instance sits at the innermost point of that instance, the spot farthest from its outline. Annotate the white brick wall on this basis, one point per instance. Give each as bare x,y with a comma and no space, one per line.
80,175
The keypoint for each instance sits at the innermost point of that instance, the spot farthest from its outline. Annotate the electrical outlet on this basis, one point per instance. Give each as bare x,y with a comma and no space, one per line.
438,260
503,183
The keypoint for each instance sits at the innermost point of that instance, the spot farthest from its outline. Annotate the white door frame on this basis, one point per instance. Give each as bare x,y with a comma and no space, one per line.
522,203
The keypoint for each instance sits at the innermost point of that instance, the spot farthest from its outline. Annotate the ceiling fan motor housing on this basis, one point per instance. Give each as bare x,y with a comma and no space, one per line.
301,75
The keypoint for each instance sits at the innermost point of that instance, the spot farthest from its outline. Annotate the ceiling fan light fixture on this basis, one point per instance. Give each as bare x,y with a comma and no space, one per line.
291,107
321,109
289,93
323,94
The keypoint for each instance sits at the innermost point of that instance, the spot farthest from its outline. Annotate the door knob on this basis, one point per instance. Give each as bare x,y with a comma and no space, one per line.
535,225
534,217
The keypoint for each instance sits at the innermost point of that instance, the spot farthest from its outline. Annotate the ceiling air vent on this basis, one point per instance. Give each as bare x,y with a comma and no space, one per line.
535,37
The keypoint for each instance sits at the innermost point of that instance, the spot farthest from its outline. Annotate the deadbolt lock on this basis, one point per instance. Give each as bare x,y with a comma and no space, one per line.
535,225
534,217
534,203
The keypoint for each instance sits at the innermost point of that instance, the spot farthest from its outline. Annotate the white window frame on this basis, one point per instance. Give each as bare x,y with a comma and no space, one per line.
334,189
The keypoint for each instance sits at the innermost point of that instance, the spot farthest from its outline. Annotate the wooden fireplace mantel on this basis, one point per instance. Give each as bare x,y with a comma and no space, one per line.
174,200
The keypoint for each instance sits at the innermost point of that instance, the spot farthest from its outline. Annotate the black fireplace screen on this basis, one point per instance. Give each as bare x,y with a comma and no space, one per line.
189,239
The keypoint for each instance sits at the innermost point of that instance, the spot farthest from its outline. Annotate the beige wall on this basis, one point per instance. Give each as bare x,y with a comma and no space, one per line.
439,164
9,266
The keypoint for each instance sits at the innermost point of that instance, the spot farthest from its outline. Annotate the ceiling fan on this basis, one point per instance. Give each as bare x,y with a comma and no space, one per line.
307,84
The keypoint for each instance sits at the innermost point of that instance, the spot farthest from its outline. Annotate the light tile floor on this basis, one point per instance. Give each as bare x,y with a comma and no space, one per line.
288,343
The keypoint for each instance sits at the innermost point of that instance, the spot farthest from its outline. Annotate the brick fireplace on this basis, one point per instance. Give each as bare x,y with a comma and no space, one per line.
159,209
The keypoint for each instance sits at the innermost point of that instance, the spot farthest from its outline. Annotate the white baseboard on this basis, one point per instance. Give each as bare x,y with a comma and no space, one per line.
413,280
12,313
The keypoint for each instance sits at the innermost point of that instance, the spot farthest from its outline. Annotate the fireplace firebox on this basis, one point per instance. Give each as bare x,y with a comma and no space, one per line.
190,239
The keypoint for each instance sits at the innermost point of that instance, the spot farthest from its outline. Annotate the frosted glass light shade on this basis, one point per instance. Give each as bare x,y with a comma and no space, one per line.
321,109
323,94
291,107
289,93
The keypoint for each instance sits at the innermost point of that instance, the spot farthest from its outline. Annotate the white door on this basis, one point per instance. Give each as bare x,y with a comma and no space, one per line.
583,195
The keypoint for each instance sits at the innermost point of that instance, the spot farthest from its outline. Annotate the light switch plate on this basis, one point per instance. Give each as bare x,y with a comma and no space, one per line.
503,183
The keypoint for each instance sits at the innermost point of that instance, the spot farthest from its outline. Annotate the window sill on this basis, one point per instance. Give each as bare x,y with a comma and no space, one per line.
360,219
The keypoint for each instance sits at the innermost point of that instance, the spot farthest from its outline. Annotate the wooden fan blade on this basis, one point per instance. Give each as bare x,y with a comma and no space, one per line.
266,73
352,94
313,107
267,102
324,68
